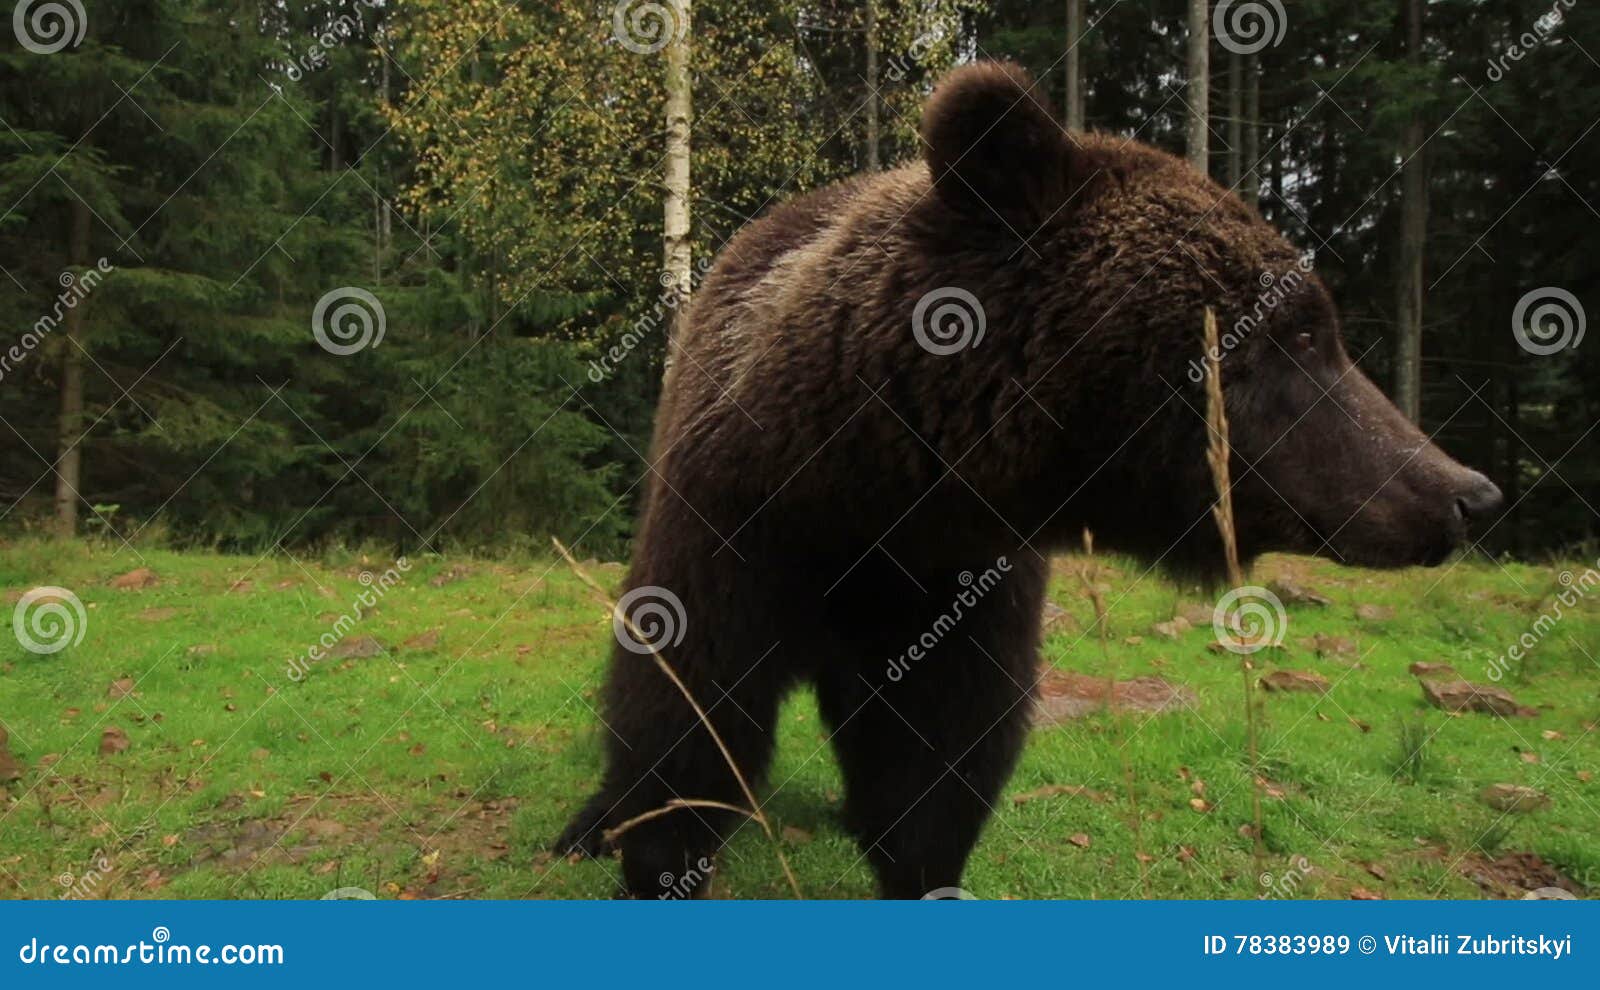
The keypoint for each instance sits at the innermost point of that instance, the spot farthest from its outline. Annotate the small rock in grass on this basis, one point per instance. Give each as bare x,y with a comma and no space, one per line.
136,580
1293,594
1464,696
1295,680
1514,798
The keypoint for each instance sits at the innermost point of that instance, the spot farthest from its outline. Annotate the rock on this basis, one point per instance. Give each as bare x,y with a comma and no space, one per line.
122,687
1331,647
450,575
356,648
1464,696
1295,680
113,740
1374,613
1514,798
1197,615
1172,628
1057,619
422,641
1065,695
136,580
1423,668
1293,594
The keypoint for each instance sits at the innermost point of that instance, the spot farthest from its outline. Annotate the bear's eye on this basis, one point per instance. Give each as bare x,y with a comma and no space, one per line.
1303,342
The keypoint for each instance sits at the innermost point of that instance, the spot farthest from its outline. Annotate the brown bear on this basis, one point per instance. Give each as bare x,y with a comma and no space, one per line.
892,398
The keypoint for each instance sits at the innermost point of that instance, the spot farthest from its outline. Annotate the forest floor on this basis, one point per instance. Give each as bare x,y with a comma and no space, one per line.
170,753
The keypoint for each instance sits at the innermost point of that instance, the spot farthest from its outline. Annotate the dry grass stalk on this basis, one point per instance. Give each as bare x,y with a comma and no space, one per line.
1222,510
752,812
1087,574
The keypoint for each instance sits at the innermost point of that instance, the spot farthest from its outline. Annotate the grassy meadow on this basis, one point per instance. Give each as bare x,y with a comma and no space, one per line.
181,750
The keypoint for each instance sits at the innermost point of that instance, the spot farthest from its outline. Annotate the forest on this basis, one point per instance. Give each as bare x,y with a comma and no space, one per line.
403,272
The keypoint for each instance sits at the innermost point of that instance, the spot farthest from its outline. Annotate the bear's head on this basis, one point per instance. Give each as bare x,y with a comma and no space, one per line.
1124,249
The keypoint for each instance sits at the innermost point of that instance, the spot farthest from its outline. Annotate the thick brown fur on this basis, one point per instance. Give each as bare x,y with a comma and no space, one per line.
823,479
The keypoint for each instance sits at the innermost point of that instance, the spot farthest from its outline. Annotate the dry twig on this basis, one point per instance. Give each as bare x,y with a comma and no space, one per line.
753,812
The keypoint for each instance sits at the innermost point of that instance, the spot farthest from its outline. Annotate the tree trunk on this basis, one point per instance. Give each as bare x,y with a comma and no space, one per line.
1198,97
1252,131
1413,231
69,426
872,86
1235,123
1074,102
676,261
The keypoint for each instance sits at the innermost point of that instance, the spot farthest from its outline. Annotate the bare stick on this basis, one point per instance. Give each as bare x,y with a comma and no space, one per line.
1217,458
754,811
611,834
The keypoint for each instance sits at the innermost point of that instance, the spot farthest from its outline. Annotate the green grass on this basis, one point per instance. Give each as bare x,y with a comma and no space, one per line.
444,770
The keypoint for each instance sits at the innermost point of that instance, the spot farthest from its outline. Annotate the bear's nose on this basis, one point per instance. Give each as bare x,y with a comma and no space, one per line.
1479,497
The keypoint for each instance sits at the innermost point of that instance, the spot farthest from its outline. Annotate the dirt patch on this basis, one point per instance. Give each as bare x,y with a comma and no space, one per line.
1066,695
1515,875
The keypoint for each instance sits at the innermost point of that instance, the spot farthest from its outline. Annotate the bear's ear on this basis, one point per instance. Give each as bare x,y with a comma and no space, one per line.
993,146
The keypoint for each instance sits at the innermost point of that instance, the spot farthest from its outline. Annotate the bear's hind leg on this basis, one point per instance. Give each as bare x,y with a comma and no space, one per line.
926,746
